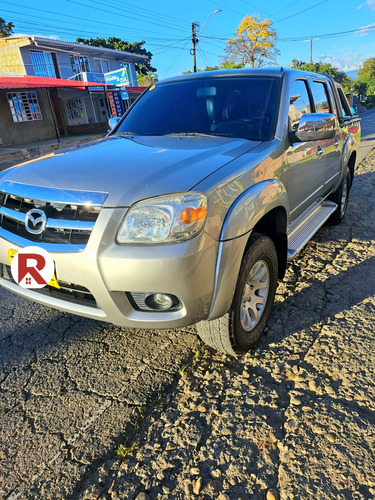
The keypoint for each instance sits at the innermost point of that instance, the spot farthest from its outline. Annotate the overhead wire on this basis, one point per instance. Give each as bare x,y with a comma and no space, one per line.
74,17
300,12
173,62
116,12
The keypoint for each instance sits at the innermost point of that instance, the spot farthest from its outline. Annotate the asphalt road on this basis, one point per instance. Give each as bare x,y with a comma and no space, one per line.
70,387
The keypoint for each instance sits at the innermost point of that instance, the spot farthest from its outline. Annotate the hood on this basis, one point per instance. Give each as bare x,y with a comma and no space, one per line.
131,168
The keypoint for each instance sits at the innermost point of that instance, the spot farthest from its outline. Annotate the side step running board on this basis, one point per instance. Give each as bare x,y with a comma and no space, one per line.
301,234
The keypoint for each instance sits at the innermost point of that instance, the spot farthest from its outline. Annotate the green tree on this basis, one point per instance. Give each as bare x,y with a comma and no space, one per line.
366,71
146,80
6,29
116,43
365,83
254,44
225,64
323,67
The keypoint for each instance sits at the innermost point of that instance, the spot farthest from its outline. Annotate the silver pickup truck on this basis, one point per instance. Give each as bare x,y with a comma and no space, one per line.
189,210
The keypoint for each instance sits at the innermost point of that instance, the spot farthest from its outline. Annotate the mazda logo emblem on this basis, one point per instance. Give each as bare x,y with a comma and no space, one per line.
35,221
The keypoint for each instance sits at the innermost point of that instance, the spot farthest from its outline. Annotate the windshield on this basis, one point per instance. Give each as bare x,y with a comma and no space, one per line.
237,107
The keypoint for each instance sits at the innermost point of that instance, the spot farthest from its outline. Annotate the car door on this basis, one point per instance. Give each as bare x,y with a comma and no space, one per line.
324,103
303,175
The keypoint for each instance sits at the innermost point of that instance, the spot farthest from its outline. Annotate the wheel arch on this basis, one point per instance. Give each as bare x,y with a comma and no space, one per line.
266,214
274,225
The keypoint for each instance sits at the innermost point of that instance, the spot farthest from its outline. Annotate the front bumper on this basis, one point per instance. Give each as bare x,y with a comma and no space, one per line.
108,270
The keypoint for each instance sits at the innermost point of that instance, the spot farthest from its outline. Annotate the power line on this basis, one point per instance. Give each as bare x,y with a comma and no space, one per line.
74,17
328,35
116,12
305,37
300,12
183,48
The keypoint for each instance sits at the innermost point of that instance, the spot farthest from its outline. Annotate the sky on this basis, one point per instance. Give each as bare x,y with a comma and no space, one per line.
343,31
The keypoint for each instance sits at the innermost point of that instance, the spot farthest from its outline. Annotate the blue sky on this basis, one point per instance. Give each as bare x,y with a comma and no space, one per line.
166,27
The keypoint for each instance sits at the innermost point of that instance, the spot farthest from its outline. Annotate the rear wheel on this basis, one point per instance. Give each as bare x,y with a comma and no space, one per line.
341,198
241,328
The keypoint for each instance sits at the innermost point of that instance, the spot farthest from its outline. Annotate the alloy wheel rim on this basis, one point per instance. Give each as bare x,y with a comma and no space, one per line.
254,295
344,196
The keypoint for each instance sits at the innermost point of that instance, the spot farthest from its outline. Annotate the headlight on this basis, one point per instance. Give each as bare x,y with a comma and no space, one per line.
170,218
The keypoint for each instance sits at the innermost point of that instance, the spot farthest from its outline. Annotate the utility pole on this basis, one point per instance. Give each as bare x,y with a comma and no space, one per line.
194,40
311,51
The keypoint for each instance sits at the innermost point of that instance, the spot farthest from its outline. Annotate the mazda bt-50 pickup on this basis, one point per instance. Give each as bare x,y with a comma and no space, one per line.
190,209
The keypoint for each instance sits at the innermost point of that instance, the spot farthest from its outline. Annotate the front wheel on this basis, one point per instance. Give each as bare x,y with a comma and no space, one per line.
341,198
241,328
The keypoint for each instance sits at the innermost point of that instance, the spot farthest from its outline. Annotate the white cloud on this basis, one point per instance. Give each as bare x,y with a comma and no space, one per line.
364,30
369,3
346,62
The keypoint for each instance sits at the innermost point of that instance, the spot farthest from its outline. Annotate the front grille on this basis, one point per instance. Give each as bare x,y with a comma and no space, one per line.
68,291
70,215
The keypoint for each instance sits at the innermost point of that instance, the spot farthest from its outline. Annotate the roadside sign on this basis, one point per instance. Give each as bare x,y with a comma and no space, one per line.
115,101
124,95
119,78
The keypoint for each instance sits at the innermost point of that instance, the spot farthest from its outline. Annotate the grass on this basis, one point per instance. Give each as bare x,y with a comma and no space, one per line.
130,445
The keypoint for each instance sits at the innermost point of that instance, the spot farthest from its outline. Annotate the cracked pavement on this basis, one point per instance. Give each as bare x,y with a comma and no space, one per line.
294,418
68,388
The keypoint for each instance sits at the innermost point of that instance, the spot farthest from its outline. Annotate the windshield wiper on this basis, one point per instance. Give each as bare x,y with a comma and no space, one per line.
125,133
189,134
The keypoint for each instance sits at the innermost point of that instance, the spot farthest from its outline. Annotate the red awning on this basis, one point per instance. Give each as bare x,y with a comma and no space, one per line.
136,90
32,82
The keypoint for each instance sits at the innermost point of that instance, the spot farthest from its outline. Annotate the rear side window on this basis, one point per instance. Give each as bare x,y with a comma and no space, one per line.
346,111
320,96
299,103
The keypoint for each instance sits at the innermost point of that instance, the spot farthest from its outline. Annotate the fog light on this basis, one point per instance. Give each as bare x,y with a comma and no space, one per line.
159,301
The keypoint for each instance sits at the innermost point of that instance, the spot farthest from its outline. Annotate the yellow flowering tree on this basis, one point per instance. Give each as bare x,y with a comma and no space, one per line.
254,44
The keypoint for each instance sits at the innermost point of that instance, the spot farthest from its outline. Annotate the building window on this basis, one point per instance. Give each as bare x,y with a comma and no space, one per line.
79,64
101,66
75,109
24,106
42,63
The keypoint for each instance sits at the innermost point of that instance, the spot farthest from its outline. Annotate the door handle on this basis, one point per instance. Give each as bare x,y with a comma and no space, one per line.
336,144
319,152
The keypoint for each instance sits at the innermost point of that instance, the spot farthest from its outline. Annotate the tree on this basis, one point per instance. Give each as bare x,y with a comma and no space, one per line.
366,71
365,83
255,43
225,64
146,80
323,67
6,29
118,44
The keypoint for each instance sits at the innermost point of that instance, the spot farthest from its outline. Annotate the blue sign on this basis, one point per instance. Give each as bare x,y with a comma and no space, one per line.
119,78
124,95
93,77
118,103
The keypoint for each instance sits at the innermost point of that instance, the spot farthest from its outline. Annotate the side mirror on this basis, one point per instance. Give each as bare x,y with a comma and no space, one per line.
112,122
314,127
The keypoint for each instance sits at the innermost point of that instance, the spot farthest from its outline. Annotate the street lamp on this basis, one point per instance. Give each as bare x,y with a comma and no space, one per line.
195,40
208,17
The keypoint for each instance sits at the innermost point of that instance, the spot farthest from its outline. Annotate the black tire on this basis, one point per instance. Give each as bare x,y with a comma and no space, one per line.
241,328
341,198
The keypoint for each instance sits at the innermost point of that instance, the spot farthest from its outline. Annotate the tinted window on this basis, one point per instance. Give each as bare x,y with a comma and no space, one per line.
299,103
320,96
244,107
346,111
